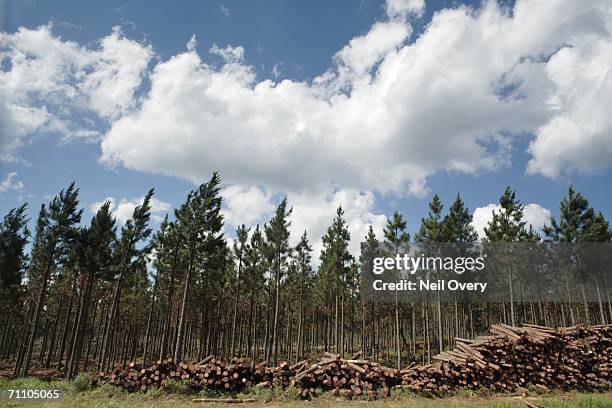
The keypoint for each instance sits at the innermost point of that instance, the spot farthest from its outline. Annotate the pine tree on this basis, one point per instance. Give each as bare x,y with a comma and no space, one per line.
94,254
168,263
14,235
431,230
161,249
199,223
304,276
55,234
256,267
370,249
430,235
395,233
457,224
578,221
277,238
458,229
507,224
127,255
335,261
240,249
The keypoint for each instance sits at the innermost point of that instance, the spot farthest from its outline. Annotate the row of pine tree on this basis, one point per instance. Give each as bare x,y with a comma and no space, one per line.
88,296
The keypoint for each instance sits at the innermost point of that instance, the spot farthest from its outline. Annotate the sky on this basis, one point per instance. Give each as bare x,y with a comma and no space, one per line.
372,105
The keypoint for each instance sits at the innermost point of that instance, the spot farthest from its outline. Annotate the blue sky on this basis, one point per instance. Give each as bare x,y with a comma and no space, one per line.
300,42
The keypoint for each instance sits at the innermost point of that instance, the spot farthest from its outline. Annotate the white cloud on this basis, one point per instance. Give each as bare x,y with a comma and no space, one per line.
361,54
276,70
315,213
579,136
535,215
225,11
401,8
312,213
9,157
51,85
116,71
246,205
229,54
387,114
124,208
10,183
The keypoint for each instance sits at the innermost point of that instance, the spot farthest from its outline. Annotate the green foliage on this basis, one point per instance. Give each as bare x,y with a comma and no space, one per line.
431,230
128,253
14,235
578,221
107,391
241,245
264,394
183,387
82,382
507,224
94,246
335,256
395,231
277,236
292,393
457,224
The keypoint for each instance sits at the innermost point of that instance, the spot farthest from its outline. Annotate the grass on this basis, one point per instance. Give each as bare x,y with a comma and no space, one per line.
77,393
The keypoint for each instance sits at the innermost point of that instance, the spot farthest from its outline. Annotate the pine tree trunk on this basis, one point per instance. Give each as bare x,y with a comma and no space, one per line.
276,312
300,344
39,305
179,336
80,329
54,335
149,317
91,334
65,330
163,351
108,336
236,301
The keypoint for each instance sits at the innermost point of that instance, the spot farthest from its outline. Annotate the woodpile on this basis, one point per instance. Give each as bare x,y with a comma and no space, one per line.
512,357
345,377
209,373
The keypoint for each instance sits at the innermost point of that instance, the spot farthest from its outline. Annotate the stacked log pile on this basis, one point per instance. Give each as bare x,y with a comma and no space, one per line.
511,357
345,377
209,373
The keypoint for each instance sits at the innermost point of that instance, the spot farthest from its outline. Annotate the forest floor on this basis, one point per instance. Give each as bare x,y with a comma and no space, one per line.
79,394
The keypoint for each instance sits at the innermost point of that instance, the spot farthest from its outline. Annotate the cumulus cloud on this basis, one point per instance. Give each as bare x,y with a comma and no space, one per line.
10,183
390,111
535,215
315,213
401,8
312,213
124,208
579,136
229,54
245,205
51,85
